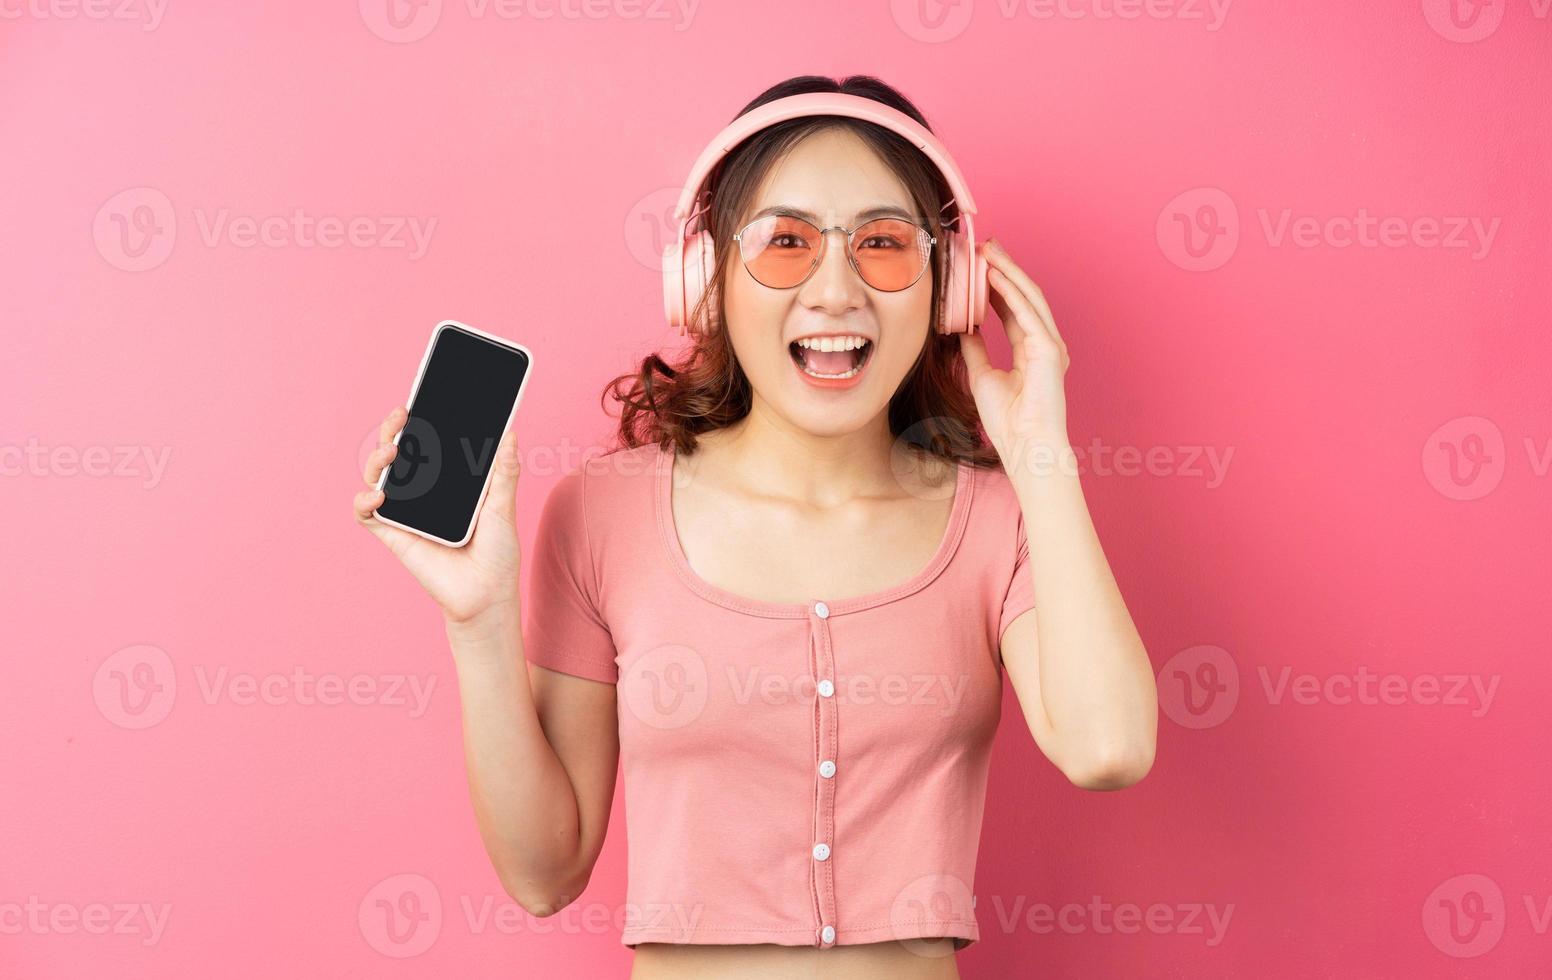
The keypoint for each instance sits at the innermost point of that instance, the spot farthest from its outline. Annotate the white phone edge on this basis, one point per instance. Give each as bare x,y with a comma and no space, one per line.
420,373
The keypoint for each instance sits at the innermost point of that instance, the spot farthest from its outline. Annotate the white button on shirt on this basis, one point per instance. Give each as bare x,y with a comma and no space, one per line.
826,688
827,769
821,851
827,934
821,610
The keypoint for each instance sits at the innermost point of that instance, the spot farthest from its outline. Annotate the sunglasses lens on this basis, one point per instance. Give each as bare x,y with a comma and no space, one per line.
891,254
779,251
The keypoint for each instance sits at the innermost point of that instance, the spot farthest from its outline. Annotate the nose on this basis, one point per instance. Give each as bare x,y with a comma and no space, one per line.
835,286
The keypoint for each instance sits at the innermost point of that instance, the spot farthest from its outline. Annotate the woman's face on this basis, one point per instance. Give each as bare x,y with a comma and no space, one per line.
833,176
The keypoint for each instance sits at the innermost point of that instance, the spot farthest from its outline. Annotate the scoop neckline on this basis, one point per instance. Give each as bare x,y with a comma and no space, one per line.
668,531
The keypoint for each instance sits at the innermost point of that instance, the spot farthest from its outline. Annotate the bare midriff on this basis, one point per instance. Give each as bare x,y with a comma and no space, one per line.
910,959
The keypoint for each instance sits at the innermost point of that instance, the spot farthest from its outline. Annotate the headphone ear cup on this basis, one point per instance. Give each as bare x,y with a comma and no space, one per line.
964,295
673,286
700,260
686,271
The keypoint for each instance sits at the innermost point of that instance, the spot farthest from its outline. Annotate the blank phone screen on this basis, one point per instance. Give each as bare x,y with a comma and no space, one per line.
456,419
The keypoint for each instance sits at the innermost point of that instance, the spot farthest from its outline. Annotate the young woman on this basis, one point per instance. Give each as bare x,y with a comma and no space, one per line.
786,600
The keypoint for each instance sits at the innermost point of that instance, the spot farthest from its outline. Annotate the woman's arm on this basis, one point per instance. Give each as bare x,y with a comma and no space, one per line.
1076,661
541,750
540,747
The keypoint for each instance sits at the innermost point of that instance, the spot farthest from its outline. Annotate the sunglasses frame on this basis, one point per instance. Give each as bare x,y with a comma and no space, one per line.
824,245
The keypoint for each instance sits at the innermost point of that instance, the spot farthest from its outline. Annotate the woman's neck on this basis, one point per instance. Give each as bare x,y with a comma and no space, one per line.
765,452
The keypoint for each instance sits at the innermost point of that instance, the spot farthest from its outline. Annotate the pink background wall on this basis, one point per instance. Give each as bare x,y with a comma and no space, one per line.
1322,470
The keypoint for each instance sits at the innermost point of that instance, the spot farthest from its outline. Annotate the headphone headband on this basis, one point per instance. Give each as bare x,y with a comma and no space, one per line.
822,104
690,260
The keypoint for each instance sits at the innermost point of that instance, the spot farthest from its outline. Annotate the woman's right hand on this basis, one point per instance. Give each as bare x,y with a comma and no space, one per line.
479,579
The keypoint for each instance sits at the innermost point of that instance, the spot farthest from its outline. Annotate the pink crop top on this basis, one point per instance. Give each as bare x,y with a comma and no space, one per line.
795,773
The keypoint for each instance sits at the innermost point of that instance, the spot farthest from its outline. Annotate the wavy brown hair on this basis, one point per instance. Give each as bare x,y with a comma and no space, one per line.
667,403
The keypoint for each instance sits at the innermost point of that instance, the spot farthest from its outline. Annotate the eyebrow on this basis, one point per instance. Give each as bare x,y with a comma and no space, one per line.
882,211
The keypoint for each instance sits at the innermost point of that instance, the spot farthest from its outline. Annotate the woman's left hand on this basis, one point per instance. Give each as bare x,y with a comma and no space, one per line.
1026,404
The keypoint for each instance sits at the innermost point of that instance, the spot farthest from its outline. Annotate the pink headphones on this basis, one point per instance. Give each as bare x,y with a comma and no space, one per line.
688,262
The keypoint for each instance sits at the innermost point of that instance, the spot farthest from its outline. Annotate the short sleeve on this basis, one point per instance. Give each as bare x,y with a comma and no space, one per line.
564,630
1020,597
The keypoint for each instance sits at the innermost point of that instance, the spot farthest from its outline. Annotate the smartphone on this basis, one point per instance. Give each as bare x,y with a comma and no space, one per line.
464,397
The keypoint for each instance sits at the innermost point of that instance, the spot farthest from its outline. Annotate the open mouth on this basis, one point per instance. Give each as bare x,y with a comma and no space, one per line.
831,358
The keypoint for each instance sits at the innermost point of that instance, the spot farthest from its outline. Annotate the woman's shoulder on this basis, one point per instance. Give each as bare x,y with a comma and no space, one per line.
622,465
992,480
994,503
603,484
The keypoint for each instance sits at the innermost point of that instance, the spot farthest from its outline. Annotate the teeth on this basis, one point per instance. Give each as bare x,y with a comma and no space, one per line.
816,374
832,343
